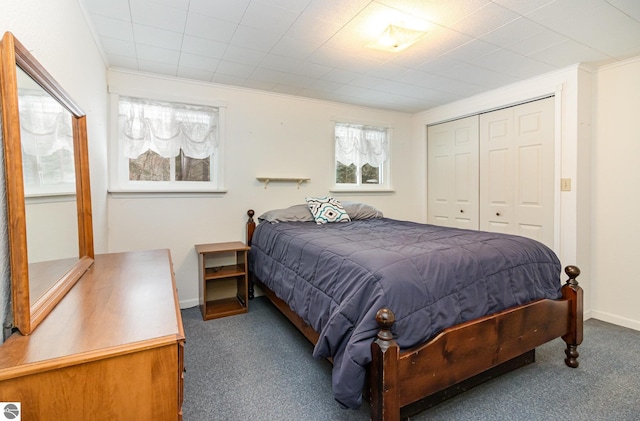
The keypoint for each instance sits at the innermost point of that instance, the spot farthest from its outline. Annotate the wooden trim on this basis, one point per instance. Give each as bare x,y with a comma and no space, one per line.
16,222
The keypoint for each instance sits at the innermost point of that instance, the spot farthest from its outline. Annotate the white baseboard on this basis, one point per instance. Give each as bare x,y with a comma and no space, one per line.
616,320
189,303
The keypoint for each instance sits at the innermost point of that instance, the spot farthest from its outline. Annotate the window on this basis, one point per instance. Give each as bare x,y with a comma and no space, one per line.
47,146
362,156
168,146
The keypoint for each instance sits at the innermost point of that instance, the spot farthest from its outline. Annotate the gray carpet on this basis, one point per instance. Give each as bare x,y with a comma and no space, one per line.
257,366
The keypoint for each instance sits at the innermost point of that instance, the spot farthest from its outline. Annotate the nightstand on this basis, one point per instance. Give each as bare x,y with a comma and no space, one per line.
217,263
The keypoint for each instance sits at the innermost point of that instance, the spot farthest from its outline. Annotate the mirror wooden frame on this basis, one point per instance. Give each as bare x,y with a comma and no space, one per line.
27,312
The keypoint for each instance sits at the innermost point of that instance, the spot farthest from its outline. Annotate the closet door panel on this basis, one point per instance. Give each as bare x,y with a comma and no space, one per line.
496,168
517,170
452,171
440,182
534,170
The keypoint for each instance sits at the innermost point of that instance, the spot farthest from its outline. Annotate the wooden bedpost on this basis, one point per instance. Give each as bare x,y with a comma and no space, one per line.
384,382
572,292
251,226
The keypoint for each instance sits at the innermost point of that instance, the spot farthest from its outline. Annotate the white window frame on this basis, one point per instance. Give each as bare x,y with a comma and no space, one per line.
119,183
385,169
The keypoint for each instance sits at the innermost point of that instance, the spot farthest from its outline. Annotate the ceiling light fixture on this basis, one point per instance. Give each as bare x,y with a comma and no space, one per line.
396,38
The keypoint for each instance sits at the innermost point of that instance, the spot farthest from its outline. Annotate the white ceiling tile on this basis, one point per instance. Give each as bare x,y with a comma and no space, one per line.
332,57
157,37
230,11
568,53
484,20
295,5
243,55
444,13
155,67
267,17
117,9
629,7
311,29
513,32
595,23
157,54
321,85
335,11
388,70
258,84
440,83
203,47
255,39
234,69
311,69
536,42
210,28
123,62
287,89
523,7
113,28
280,63
157,15
195,74
480,76
470,51
198,62
267,75
295,48
118,47
512,64
176,4
228,79
434,44
340,76
297,81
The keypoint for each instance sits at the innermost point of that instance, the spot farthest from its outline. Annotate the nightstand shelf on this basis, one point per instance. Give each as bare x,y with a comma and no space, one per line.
214,277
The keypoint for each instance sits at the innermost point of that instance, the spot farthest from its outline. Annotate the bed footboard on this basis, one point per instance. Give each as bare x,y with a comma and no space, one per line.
398,379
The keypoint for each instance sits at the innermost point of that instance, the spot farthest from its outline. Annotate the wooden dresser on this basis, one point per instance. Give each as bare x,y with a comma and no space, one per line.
112,349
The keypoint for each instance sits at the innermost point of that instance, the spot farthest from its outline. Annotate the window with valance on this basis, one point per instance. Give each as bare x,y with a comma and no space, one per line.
46,136
361,154
168,143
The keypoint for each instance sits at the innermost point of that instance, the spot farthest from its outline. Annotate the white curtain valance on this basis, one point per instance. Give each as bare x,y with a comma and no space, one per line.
358,144
166,128
45,126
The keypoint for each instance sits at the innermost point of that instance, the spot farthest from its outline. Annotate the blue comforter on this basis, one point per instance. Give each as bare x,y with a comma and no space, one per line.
337,276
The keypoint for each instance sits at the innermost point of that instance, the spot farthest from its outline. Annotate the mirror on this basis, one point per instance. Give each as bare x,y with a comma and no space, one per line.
47,182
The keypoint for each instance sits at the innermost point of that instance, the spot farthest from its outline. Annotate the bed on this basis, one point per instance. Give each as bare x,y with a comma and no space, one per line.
409,311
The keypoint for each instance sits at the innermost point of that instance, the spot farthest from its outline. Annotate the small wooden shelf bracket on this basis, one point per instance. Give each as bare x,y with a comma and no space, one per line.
267,180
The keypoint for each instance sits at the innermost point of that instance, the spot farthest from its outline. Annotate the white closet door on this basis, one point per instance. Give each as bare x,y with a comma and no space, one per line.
516,169
452,173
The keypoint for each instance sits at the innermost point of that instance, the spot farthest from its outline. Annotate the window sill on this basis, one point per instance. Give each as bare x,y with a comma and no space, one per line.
147,194
362,191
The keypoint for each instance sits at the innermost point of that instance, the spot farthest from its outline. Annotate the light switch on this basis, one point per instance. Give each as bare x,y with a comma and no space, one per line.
565,184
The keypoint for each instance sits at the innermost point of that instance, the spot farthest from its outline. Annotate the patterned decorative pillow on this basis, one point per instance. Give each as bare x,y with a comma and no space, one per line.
327,209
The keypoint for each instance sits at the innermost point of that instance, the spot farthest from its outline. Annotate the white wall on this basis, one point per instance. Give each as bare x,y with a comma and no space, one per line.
266,135
572,90
616,194
57,35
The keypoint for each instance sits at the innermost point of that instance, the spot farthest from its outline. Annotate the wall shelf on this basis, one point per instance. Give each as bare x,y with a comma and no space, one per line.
267,180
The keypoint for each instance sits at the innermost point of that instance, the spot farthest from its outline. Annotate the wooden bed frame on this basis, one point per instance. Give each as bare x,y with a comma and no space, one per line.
401,383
